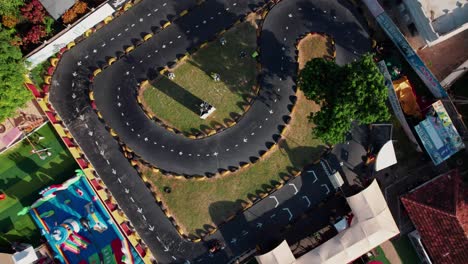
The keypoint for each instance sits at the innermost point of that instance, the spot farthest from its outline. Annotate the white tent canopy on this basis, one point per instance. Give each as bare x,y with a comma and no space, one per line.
386,156
372,225
279,255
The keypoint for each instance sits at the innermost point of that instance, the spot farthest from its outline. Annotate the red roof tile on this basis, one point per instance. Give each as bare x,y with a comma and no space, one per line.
439,211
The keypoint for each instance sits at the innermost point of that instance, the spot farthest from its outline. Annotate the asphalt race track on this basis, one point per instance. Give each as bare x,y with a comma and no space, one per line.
115,91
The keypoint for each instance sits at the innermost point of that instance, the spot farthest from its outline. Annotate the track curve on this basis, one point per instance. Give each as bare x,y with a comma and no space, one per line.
115,97
114,91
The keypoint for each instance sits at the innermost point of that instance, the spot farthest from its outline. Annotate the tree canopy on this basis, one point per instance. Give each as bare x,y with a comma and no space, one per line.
354,92
10,7
13,94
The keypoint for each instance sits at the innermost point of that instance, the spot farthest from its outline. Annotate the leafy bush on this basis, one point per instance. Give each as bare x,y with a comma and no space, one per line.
72,14
9,21
34,12
13,94
48,23
34,35
10,7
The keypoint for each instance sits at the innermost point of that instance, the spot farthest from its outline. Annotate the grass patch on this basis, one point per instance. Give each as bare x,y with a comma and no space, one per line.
22,176
380,256
196,205
38,72
176,101
405,250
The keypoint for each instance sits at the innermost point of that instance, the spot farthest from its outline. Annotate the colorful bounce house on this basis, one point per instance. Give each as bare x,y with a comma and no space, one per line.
78,227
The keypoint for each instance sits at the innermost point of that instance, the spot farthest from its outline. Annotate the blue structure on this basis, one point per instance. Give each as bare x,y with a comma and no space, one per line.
405,49
78,227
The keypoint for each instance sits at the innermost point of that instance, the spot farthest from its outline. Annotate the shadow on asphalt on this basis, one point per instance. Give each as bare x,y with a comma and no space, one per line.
339,31
243,232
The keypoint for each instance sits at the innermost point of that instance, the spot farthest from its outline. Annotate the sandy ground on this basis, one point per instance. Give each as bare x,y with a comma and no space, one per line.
313,46
390,252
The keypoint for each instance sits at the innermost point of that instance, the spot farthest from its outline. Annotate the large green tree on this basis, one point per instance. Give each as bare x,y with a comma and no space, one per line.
10,7
13,94
354,92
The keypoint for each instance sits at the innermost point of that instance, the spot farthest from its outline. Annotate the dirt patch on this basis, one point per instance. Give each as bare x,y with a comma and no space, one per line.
252,18
314,46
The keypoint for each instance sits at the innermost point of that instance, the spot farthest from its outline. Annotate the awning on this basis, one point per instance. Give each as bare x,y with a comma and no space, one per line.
336,179
280,255
341,225
372,225
386,156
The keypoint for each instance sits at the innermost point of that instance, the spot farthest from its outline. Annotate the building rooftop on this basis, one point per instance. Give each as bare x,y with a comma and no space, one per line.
439,211
445,15
57,8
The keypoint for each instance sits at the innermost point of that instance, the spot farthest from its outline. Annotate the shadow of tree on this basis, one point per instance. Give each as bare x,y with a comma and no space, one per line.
23,186
179,94
299,156
220,211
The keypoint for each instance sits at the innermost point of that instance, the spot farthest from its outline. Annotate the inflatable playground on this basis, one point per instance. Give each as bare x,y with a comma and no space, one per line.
77,226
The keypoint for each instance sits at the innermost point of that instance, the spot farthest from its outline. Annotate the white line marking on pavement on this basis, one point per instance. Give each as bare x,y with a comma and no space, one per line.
114,171
127,190
325,168
244,233
131,198
259,225
174,258
119,180
295,188
233,241
290,214
307,199
272,216
315,175
144,217
276,199
326,186
140,210
151,228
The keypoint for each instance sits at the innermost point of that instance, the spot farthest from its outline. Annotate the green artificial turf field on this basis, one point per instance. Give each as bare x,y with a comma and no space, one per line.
22,175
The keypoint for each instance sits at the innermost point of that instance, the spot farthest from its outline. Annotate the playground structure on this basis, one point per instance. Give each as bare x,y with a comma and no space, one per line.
77,226
66,235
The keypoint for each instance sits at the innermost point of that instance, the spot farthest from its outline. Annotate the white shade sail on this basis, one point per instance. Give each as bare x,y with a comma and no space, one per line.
372,225
386,156
279,255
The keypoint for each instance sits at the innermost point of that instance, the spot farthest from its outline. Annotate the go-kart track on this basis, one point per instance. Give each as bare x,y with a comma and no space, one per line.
115,96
